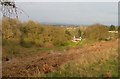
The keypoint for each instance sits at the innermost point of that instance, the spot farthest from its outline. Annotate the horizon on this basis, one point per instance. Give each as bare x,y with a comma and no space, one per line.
62,24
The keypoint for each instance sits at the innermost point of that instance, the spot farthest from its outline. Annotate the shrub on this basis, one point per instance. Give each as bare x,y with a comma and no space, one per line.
39,42
78,33
112,28
96,32
26,42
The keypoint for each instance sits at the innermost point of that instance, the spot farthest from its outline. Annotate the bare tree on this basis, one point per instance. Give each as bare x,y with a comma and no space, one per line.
9,9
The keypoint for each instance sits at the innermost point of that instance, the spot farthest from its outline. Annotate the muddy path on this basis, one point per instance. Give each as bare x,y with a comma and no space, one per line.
47,62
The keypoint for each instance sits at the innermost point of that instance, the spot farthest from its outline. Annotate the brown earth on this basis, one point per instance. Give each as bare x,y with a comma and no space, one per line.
47,62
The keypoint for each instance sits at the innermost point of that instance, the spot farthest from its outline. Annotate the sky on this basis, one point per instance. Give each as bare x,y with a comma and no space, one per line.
72,13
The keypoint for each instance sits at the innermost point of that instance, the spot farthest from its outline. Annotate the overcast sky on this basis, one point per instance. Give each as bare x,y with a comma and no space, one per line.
78,13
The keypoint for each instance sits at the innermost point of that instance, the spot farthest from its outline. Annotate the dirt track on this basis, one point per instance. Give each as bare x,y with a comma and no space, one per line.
47,62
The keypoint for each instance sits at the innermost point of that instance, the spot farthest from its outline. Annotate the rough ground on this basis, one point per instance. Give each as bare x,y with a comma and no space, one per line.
47,62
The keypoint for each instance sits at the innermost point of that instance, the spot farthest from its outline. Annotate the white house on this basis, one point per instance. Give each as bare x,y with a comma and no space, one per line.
75,39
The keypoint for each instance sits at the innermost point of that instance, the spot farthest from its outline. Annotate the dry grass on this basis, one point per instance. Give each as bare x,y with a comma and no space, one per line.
90,64
75,62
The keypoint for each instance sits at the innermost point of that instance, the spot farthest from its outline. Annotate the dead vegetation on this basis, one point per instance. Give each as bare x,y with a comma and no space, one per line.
26,45
48,62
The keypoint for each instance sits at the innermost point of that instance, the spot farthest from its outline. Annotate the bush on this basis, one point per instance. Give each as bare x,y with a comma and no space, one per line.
39,42
96,32
48,45
26,42
112,28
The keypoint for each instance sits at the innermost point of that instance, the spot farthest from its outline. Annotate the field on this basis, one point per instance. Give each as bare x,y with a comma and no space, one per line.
97,60
59,39
35,50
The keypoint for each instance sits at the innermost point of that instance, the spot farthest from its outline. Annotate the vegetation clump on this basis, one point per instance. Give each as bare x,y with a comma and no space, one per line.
96,32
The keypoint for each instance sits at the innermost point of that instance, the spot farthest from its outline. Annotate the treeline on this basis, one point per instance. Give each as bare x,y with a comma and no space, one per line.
33,33
30,33
113,28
